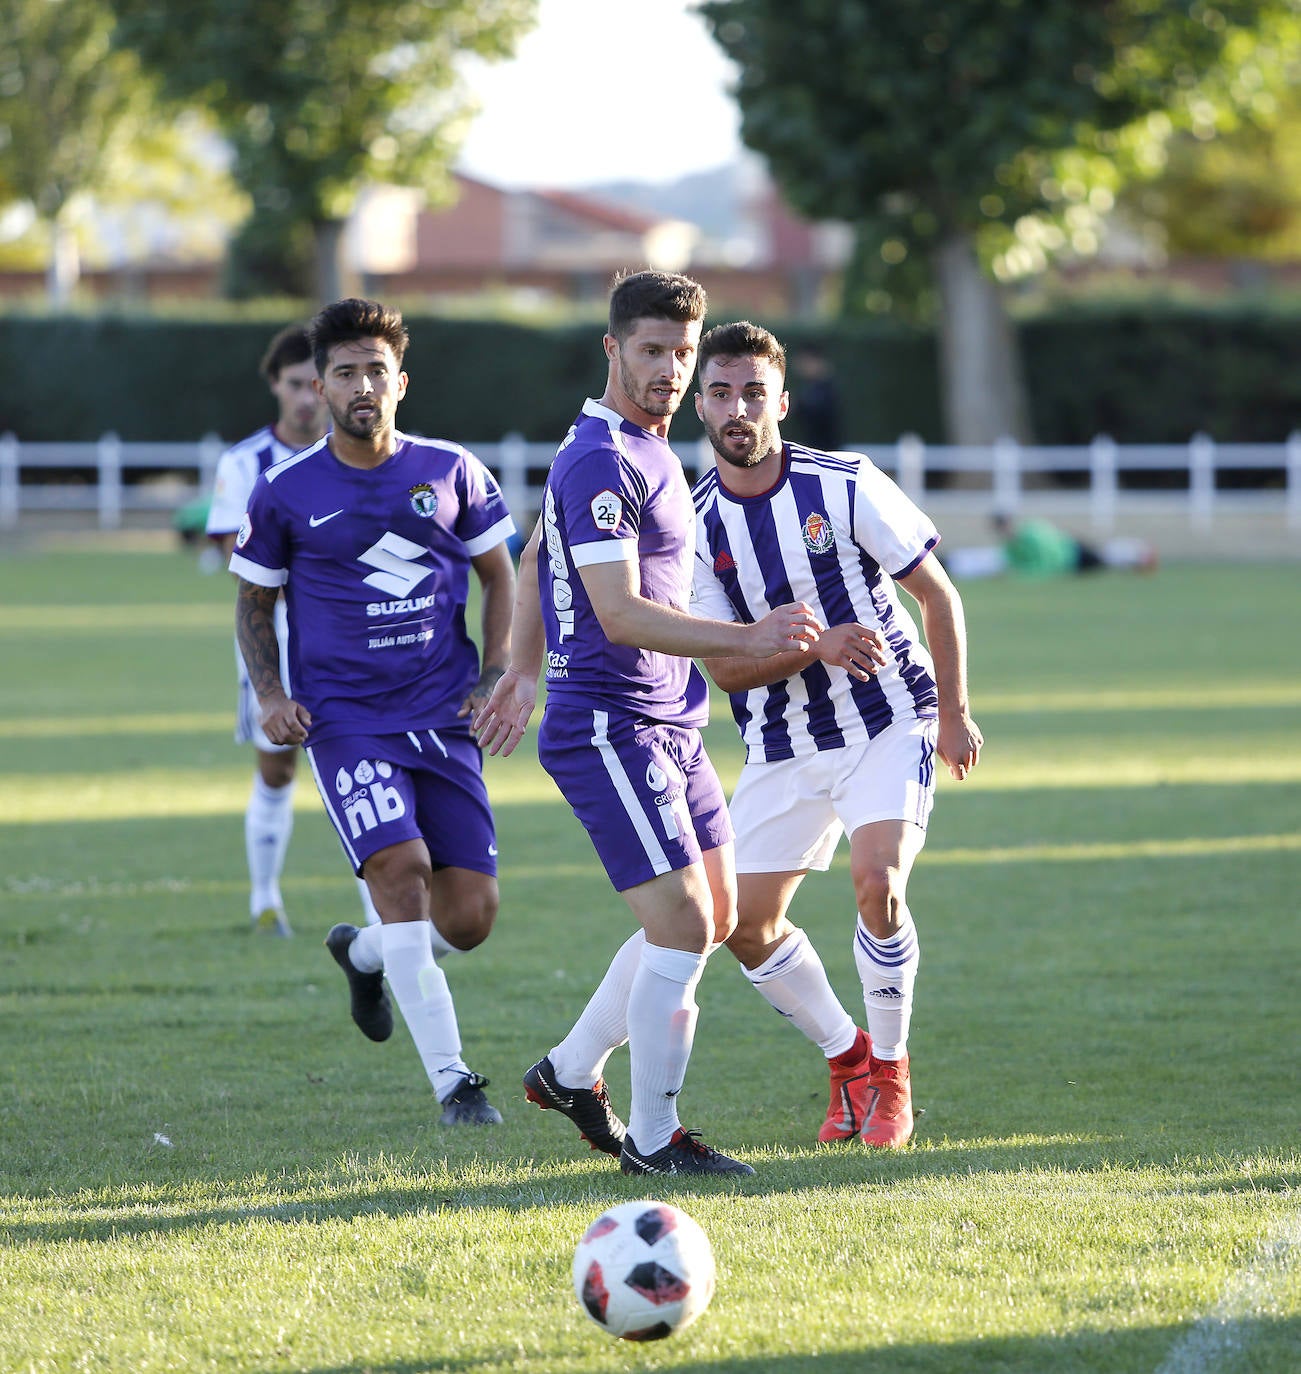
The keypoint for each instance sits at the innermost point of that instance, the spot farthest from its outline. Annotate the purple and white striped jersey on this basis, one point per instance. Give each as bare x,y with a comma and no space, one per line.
376,566
237,469
834,531
616,491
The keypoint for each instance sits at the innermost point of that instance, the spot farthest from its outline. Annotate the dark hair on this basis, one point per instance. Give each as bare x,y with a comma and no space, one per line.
292,345
740,340
654,295
352,319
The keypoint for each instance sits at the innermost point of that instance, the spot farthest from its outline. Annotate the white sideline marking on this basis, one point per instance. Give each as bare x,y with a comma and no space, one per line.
1253,1291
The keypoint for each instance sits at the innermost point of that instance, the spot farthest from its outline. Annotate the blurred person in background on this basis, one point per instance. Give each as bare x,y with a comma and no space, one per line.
1038,548
290,373
816,413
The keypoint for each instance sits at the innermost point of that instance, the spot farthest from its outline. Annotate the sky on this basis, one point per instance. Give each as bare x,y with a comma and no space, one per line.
604,90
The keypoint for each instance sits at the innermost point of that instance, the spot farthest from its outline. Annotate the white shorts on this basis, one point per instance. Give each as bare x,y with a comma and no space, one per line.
248,711
789,816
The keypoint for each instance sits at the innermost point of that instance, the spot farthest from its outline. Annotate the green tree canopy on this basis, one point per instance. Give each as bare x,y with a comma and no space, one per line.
941,127
317,99
71,109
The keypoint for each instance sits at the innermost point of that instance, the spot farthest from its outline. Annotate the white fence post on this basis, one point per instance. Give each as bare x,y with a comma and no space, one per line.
8,481
514,459
210,450
1201,481
1007,475
1292,499
910,466
108,454
1102,483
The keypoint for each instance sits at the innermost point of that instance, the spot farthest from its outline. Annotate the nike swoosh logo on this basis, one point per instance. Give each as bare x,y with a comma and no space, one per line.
315,520
492,851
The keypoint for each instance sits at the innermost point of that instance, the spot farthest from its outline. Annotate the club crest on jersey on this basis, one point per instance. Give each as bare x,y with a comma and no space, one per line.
817,533
424,500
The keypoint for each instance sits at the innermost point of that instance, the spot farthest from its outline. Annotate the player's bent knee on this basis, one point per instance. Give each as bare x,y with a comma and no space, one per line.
468,925
880,897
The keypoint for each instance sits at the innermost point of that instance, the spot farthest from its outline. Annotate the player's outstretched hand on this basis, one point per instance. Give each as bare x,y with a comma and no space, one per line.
501,724
853,647
783,629
479,693
284,721
958,743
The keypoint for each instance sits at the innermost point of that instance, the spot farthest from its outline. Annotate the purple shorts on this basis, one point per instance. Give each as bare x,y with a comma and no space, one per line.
426,785
645,792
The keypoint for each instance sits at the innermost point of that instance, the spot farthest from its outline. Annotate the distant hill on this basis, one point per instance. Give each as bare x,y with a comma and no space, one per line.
714,200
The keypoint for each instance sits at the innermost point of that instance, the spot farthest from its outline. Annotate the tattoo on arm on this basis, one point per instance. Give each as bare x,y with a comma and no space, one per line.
255,627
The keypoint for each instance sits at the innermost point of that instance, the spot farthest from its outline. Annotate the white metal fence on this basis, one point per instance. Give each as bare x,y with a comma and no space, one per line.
114,477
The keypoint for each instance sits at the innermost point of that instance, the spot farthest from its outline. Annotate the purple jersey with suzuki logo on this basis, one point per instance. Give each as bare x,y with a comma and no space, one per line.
616,491
375,564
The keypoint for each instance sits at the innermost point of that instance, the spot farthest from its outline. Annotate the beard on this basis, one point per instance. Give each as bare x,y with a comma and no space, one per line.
359,429
644,398
763,442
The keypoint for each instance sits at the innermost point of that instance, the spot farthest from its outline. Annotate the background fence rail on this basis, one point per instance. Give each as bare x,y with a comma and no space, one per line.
1198,481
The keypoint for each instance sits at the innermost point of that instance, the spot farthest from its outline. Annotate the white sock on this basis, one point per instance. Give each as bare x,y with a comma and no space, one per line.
439,946
793,982
425,1000
367,950
579,1059
367,903
268,824
888,969
662,1016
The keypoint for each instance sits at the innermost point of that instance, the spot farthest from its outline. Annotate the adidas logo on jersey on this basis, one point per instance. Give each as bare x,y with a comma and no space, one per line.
724,562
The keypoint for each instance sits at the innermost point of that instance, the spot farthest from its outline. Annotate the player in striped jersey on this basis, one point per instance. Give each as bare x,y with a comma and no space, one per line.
845,742
269,816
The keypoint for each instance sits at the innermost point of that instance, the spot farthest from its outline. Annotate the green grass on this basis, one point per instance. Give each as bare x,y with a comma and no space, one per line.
204,1167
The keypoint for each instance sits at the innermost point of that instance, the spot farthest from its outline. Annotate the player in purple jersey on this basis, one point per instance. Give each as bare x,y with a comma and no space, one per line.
840,738
269,817
604,591
373,536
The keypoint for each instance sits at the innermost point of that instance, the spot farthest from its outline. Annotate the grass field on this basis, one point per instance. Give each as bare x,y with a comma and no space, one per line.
204,1167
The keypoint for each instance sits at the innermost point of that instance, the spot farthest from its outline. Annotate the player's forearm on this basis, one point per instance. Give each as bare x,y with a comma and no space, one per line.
495,619
528,641
742,674
661,629
255,630
946,637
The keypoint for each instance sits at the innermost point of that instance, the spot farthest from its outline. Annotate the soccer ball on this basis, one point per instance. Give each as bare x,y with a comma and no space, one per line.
644,1270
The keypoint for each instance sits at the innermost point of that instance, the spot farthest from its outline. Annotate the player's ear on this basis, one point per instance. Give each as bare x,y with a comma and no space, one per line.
783,405
700,405
402,385
611,346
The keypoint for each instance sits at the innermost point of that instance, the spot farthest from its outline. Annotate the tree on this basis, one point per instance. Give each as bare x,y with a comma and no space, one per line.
316,99
941,128
70,110
1236,194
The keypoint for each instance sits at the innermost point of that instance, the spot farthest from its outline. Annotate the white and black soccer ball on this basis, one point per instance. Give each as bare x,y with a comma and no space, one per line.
644,1270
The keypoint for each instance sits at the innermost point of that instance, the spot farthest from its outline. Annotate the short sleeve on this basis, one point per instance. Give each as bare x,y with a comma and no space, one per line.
484,521
230,493
261,553
601,500
895,531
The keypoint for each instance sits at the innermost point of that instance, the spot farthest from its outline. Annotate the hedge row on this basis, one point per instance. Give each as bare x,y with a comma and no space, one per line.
1139,374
